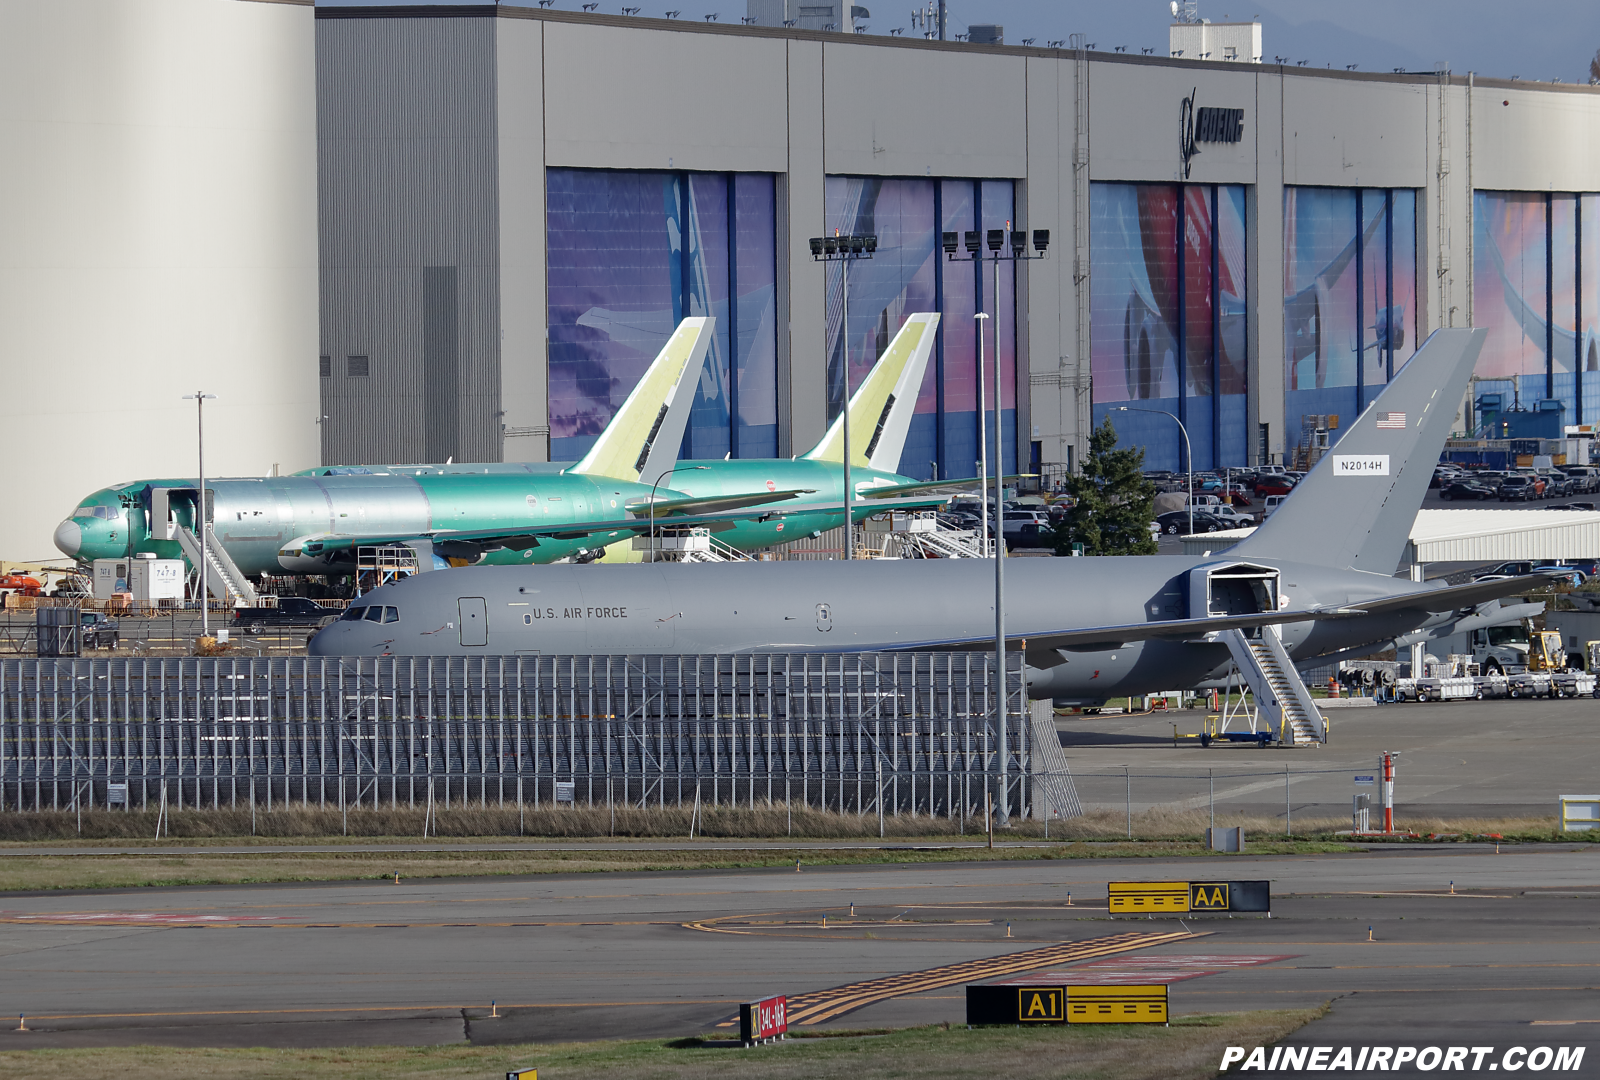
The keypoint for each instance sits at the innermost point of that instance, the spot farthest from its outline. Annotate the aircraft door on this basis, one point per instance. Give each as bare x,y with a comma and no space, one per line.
474,620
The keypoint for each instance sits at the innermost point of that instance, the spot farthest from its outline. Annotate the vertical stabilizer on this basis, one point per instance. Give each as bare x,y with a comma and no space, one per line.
1355,509
643,438
881,408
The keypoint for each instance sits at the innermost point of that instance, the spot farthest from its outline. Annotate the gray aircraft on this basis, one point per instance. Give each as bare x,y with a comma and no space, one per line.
1321,570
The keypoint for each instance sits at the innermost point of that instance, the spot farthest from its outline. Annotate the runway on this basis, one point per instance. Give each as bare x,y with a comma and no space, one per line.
664,954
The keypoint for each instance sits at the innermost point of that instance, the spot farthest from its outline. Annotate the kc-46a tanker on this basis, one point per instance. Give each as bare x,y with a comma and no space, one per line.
1319,573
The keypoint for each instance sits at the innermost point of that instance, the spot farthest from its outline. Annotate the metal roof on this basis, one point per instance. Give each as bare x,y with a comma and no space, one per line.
1472,536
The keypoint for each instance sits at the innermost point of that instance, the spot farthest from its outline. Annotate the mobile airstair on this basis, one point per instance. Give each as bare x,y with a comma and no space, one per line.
224,578
902,535
686,545
1280,694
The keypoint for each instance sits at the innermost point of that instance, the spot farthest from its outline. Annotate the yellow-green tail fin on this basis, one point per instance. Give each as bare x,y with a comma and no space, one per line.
881,408
643,438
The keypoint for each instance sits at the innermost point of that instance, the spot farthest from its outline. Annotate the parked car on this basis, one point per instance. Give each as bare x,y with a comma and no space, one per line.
1274,484
1518,487
98,630
1466,489
1176,522
1571,575
290,611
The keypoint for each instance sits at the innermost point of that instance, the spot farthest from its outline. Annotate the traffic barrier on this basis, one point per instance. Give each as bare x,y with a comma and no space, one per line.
1580,813
1057,1003
1188,897
763,1021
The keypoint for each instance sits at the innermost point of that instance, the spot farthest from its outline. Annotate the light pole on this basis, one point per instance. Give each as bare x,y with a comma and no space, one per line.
663,476
1018,242
1188,453
200,397
845,250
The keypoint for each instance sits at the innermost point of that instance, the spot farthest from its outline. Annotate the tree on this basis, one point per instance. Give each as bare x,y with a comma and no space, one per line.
1113,503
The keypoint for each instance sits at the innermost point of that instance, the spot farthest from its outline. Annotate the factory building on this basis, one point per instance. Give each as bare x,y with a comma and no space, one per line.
158,216
518,204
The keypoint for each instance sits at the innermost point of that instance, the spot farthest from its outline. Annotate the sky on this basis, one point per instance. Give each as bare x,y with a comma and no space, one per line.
1539,40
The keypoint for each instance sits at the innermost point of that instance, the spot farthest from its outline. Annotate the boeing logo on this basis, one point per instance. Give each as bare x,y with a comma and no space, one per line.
1205,125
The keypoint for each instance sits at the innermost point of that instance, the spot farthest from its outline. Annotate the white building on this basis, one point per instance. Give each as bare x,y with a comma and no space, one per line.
1205,40
158,209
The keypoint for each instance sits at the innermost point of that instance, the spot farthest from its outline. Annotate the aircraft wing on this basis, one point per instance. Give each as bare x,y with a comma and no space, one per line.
521,537
710,504
1097,638
1456,597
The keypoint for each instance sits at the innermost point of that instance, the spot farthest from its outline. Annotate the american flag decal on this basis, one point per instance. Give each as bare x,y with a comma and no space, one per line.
1396,420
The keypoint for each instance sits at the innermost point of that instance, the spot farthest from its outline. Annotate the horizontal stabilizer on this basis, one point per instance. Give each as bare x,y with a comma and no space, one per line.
710,504
931,485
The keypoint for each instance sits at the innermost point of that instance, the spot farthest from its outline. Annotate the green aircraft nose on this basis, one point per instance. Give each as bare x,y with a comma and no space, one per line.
69,538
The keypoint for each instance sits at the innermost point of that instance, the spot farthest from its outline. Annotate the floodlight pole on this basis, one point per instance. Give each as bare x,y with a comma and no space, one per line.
845,250
663,476
997,240
1188,452
199,398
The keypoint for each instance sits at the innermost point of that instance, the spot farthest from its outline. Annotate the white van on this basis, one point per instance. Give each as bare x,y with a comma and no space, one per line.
1272,503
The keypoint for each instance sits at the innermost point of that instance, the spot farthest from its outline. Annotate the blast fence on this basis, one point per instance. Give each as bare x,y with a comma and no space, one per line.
858,732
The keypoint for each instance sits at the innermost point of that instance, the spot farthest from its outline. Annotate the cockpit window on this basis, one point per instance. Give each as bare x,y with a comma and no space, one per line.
95,512
375,613
391,614
353,614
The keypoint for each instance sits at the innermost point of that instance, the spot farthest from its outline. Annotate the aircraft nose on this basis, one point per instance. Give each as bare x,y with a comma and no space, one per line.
69,538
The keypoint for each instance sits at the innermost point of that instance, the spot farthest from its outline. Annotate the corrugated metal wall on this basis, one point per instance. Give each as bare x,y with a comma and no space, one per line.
407,194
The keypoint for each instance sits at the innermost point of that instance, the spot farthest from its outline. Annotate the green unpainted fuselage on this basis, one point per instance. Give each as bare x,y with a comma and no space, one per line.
257,519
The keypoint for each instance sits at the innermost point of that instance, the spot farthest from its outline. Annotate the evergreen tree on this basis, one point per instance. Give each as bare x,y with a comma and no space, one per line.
1113,502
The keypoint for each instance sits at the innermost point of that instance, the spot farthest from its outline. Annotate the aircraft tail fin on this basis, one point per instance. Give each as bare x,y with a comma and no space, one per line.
881,408
642,440
1355,509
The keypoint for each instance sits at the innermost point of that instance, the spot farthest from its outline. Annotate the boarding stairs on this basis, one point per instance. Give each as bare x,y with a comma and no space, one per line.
1280,693
687,545
901,535
1051,773
224,578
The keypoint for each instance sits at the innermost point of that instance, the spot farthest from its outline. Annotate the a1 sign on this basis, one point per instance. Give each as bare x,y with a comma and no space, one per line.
763,1020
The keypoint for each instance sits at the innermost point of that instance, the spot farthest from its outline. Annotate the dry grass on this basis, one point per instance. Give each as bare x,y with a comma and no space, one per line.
714,823
1191,1048
20,872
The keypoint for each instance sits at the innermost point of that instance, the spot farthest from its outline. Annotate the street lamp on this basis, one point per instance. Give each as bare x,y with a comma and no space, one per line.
845,250
200,397
1187,449
996,240
663,476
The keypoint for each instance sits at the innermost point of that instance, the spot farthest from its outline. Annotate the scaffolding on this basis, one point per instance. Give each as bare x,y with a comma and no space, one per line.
853,732
376,566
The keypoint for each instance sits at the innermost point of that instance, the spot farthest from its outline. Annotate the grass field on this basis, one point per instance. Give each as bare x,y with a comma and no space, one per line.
1191,1048
725,838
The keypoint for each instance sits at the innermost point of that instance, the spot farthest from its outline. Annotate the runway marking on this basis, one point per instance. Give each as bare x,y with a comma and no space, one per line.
819,1005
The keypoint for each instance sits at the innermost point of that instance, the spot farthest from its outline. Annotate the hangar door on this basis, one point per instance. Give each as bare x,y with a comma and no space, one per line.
474,620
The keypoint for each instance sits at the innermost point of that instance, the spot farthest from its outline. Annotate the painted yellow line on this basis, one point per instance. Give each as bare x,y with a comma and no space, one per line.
817,1006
